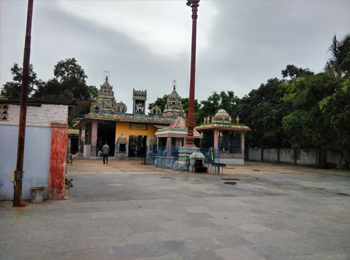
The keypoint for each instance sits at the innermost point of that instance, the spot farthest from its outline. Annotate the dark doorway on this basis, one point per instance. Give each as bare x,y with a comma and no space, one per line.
74,144
106,133
137,145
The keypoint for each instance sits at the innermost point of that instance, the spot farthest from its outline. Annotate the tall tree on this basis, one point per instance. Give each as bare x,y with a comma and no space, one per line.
69,82
307,126
336,111
13,89
338,64
262,110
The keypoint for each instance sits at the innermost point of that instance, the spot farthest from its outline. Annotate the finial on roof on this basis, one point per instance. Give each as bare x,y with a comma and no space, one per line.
175,85
106,78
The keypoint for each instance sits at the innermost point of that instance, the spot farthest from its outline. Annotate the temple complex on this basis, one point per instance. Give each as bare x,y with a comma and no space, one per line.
128,135
160,133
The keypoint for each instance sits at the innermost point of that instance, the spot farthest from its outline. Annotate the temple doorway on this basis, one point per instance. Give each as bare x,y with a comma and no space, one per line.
106,133
137,145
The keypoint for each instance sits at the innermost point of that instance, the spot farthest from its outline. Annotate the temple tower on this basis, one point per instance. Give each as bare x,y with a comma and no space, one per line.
139,101
173,107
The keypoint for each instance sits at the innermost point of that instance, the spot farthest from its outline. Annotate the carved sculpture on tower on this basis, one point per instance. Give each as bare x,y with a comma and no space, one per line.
139,101
156,111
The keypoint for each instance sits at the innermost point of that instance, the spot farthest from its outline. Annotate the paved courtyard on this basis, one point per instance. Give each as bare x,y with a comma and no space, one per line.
126,210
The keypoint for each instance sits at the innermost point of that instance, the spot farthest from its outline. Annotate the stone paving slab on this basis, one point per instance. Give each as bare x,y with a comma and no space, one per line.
125,210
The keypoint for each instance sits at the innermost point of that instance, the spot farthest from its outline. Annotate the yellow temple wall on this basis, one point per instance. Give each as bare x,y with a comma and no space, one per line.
124,128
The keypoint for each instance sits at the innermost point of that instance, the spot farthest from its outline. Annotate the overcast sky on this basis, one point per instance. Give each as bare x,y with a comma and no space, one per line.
145,45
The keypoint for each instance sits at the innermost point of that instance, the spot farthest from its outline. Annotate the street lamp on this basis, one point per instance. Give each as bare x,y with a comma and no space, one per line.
191,122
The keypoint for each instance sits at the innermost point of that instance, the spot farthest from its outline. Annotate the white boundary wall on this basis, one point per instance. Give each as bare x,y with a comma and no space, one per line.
307,157
37,146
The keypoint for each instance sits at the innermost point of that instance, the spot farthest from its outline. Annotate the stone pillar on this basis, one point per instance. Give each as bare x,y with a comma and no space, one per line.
216,140
229,141
242,142
57,161
69,149
94,128
168,144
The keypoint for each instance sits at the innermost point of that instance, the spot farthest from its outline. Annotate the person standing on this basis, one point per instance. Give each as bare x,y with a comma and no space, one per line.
105,152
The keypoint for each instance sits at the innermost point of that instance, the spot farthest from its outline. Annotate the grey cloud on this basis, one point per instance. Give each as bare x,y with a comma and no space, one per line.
249,42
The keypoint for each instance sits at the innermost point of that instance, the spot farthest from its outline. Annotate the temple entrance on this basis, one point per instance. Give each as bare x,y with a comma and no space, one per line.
106,133
137,145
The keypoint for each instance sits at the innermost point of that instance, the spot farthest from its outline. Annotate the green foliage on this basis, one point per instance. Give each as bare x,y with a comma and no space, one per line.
69,68
320,117
13,89
197,107
294,72
298,127
262,110
69,83
160,102
338,64
216,101
210,106
93,91
336,111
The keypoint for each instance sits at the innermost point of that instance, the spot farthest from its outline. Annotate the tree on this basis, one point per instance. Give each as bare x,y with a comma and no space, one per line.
69,82
13,89
229,102
160,102
210,106
338,64
307,126
336,111
93,92
197,106
262,110
293,71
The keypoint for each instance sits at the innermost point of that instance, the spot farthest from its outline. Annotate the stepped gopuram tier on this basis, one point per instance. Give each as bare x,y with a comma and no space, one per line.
105,102
173,107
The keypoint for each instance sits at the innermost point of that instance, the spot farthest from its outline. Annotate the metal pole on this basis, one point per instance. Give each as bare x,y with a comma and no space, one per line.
23,112
191,121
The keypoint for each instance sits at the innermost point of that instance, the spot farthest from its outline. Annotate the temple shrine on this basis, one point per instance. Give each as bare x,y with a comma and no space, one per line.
225,136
